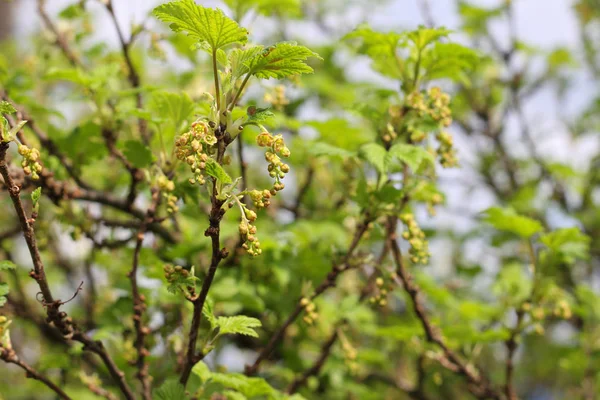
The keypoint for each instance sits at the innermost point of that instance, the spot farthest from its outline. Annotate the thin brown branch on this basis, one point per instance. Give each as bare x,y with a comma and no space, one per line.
139,304
61,40
218,254
329,282
314,369
426,13
60,319
132,74
302,191
511,347
9,356
479,386
47,143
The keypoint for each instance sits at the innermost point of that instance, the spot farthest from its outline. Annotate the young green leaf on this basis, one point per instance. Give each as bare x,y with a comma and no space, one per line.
202,371
280,61
506,219
259,115
206,25
238,58
324,149
216,171
139,155
425,36
35,198
239,324
381,48
4,289
5,265
413,156
6,108
375,154
170,390
569,243
207,311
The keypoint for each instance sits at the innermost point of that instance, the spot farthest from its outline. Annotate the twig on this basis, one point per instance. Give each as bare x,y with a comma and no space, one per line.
59,318
479,386
9,356
511,347
132,75
139,305
328,344
218,254
326,284
318,364
426,13
47,143
61,41
310,173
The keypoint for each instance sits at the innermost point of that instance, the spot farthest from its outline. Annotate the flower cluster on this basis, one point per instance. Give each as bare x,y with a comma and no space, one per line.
419,248
380,296
416,135
563,310
30,163
260,198
167,187
277,98
248,232
350,353
276,147
311,315
194,148
4,337
180,278
433,201
434,103
439,106
174,273
446,151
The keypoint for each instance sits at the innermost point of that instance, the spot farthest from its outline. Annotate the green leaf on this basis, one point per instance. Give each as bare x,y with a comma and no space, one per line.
569,243
216,171
475,19
5,265
174,108
449,60
207,311
381,48
202,371
240,324
323,149
35,195
413,156
139,155
3,289
422,37
35,198
206,25
231,395
250,387
280,61
6,108
15,129
170,390
513,284
506,219
74,75
258,115
239,58
375,154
